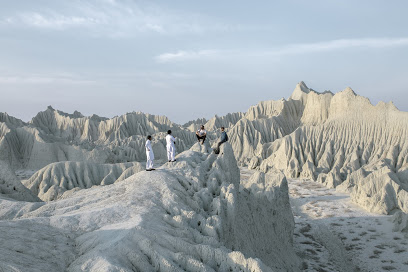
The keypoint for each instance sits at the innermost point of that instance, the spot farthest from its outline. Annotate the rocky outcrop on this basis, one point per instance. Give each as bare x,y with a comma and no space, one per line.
10,120
54,136
190,215
263,124
203,148
51,182
400,221
195,124
340,140
226,121
344,138
11,187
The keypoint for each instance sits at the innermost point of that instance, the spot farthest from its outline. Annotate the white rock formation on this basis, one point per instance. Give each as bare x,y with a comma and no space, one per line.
190,215
340,140
11,187
226,121
203,148
55,179
400,221
262,124
194,124
193,214
343,137
54,136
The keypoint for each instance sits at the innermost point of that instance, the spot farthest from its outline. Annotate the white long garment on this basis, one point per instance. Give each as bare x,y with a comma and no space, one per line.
149,155
171,149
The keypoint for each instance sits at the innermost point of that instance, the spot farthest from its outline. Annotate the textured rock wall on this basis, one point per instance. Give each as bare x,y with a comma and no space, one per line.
344,138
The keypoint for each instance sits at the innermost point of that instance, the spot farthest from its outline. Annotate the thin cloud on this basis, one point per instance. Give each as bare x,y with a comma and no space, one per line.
105,19
340,44
118,19
51,21
292,49
185,55
41,79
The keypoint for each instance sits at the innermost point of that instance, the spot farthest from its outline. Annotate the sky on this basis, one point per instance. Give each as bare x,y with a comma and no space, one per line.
193,59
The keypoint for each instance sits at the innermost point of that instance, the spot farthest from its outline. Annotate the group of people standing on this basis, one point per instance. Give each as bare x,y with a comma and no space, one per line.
171,148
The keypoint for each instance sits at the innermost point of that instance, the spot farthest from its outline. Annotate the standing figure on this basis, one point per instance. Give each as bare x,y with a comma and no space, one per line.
201,134
171,149
149,154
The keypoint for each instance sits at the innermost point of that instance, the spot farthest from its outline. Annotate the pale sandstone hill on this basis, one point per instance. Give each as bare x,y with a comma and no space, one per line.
11,187
51,182
337,139
226,121
343,137
53,136
194,124
192,215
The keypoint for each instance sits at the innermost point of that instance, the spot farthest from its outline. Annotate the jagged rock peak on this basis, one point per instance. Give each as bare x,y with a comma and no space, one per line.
196,122
303,87
300,92
228,120
387,105
98,118
349,91
10,120
75,114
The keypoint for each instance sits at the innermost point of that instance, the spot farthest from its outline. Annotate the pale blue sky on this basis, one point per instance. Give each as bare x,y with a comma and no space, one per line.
190,59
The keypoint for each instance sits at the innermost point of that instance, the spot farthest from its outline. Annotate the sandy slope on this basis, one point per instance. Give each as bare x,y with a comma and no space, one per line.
333,234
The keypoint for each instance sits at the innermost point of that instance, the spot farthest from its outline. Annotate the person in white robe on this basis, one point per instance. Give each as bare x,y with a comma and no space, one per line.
171,149
149,154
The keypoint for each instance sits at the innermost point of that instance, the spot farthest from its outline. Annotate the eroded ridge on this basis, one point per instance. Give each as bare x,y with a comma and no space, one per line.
191,215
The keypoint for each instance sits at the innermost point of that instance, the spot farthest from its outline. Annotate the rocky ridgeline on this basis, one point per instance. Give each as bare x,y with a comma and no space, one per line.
346,142
54,180
195,214
340,140
54,136
191,215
